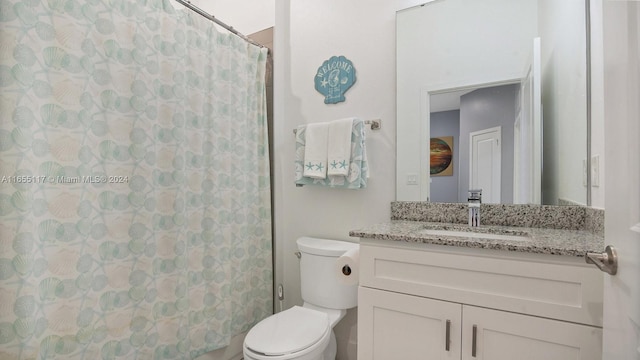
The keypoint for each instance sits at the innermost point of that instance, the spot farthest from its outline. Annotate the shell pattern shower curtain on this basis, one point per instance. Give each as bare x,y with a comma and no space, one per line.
134,182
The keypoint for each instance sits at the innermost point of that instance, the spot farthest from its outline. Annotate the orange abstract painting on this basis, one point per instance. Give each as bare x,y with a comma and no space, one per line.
441,159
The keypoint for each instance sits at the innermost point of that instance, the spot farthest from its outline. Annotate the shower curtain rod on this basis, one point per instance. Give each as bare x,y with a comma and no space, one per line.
199,11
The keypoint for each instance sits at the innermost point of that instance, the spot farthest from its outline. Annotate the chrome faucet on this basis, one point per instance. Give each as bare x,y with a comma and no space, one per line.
474,199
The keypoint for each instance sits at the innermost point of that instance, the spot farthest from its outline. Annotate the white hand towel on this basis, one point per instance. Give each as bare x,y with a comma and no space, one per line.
315,152
339,147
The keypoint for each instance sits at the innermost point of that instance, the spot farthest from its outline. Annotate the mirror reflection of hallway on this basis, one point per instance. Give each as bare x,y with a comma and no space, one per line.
463,112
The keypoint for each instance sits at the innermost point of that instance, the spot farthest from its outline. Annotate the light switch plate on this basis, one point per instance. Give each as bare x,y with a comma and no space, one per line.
595,171
412,179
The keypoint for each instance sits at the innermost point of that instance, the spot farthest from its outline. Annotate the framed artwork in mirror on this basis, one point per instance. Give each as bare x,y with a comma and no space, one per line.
441,156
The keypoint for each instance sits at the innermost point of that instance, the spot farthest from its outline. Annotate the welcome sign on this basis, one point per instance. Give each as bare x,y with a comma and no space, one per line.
334,78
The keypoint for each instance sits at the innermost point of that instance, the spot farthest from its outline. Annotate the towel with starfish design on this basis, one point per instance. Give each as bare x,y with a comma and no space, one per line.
315,156
358,165
339,147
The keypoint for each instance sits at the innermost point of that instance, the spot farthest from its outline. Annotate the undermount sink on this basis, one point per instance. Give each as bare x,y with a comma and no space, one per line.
477,233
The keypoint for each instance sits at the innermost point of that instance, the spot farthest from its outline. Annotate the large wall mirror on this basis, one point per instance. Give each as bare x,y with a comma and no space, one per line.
492,94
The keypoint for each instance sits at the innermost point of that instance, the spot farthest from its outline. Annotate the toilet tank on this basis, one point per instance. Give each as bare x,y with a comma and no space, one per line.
319,277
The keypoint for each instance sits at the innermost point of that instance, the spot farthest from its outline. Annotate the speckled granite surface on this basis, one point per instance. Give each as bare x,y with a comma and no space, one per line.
532,216
594,220
541,241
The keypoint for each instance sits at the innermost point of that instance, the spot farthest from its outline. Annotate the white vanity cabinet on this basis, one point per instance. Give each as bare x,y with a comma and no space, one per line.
400,326
502,335
420,301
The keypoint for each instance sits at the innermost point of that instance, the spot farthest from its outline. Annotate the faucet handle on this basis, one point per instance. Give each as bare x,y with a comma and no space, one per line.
475,195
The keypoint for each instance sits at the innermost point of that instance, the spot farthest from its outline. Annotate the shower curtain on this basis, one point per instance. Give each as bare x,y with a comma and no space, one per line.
134,182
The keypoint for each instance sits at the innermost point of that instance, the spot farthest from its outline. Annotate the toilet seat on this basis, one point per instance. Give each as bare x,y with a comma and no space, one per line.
288,333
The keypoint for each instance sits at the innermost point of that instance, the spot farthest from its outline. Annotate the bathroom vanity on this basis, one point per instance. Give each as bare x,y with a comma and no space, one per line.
441,291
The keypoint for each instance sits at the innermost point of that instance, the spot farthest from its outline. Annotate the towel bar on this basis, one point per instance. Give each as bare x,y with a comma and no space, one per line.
376,124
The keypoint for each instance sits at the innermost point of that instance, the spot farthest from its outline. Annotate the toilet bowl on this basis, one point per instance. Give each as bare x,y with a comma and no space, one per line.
297,333
306,332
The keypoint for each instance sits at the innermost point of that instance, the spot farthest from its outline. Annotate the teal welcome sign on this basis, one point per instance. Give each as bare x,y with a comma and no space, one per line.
334,78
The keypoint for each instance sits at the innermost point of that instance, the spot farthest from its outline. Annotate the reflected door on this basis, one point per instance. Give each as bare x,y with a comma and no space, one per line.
485,163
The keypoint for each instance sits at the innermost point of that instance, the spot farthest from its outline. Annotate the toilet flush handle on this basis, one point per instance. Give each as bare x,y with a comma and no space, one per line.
298,254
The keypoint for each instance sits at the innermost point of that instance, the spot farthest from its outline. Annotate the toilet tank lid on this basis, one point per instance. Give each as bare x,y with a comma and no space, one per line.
324,247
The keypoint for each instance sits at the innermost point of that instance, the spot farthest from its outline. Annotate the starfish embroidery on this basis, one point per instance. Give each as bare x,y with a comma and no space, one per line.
334,165
319,167
309,166
343,164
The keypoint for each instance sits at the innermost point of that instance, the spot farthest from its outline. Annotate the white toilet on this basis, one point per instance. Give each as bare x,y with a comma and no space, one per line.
306,333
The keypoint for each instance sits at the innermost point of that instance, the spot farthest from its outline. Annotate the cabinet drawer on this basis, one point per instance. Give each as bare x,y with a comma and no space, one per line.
533,285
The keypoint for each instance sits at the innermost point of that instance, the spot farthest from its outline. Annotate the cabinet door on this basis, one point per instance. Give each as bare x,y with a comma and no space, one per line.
398,326
506,336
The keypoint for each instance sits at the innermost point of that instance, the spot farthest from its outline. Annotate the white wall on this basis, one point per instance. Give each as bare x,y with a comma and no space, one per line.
306,34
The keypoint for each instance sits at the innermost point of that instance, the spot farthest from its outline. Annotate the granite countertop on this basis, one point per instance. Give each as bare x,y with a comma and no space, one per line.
540,241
